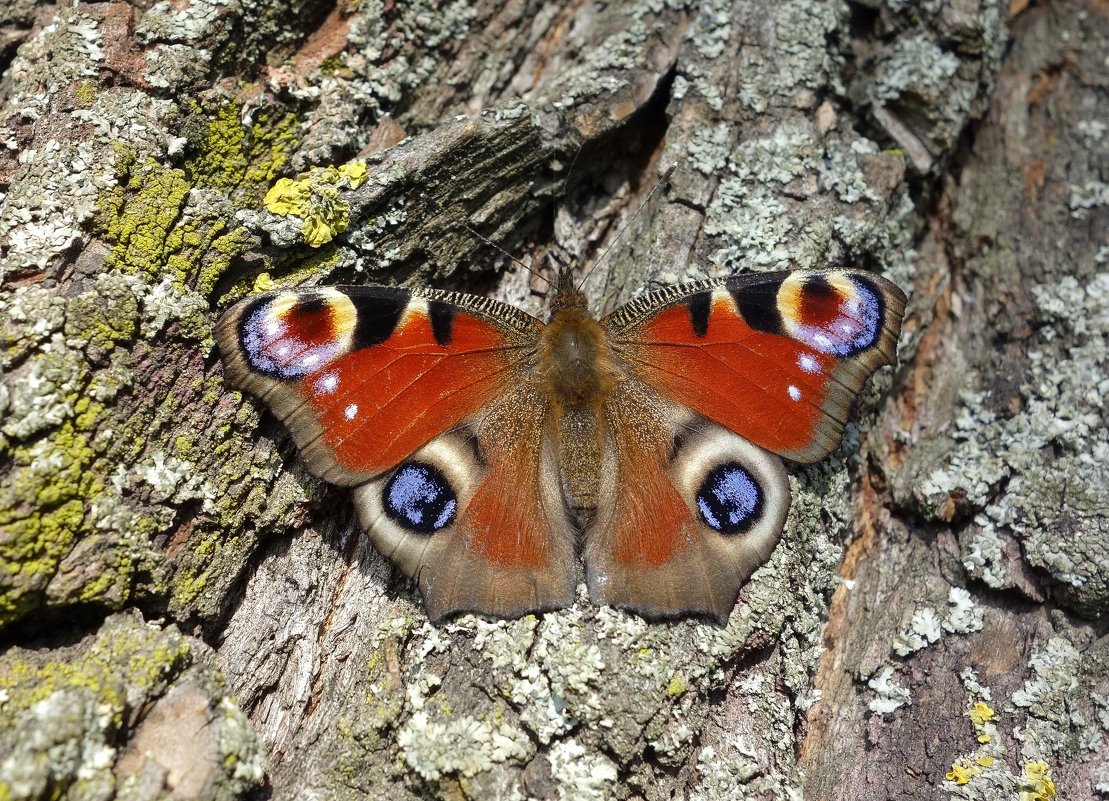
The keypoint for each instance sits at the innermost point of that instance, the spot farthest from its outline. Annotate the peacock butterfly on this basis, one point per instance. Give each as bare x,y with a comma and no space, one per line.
490,453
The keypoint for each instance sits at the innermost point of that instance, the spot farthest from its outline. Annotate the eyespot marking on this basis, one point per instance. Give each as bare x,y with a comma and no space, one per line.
286,336
729,499
837,314
419,498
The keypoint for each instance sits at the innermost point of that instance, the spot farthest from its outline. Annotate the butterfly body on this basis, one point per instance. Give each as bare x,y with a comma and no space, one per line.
492,454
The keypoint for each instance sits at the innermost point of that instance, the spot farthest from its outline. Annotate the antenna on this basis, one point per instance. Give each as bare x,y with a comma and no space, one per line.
663,180
435,204
569,172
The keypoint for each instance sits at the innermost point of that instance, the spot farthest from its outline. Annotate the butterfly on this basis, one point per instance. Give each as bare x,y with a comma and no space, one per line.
490,455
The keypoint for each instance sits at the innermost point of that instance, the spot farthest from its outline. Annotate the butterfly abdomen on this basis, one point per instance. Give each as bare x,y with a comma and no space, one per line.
579,374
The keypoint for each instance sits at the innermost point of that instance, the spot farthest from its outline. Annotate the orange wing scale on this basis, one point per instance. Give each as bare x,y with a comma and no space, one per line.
504,527
648,527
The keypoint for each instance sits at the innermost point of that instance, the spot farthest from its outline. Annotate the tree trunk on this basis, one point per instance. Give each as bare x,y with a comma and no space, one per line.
187,612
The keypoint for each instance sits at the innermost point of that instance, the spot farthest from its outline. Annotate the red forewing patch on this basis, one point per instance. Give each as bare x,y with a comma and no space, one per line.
311,323
378,404
767,388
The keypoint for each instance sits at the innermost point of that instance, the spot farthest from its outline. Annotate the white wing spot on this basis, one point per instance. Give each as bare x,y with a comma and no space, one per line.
794,392
808,364
351,411
329,383
283,350
272,328
309,360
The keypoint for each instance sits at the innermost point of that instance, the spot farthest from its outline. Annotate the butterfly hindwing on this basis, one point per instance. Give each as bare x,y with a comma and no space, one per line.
476,516
427,403
687,510
778,358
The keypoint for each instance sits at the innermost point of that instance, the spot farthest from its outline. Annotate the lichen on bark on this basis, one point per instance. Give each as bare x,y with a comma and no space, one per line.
950,554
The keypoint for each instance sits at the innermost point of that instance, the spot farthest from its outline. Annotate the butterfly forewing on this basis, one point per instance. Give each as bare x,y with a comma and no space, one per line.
363,376
777,358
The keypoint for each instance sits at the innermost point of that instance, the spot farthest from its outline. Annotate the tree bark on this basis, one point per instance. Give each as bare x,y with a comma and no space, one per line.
185,611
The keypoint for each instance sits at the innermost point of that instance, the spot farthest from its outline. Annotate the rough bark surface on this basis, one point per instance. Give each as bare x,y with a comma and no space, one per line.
185,612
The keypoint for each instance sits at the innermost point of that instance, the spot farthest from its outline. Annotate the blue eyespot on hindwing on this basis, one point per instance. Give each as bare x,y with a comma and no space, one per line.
729,499
418,497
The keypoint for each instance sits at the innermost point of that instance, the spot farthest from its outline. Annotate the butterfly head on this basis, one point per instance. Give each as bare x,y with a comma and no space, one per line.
567,294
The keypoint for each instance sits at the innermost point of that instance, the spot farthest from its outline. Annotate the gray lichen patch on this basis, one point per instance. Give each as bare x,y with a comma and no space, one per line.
1040,475
961,616
925,84
764,210
69,720
1050,729
577,695
53,195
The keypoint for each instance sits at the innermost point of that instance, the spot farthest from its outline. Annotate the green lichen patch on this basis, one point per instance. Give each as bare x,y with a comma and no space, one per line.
141,213
70,536
161,228
66,717
237,153
125,656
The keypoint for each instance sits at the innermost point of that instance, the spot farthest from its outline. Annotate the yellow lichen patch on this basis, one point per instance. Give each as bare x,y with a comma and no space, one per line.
980,713
264,283
355,173
287,196
983,717
676,687
316,198
964,769
1036,784
958,774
